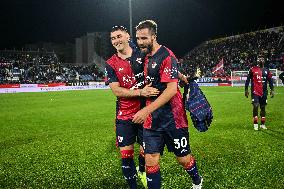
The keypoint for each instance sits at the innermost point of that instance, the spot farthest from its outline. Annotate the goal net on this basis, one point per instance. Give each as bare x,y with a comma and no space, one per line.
238,78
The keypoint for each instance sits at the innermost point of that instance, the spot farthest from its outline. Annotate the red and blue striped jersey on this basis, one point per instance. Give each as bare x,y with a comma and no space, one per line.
160,69
259,78
129,74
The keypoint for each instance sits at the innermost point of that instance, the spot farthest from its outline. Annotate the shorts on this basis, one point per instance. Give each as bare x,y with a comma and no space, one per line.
177,141
128,133
262,100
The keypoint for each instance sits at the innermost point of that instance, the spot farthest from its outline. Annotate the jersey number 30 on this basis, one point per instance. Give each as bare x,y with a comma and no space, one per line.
180,143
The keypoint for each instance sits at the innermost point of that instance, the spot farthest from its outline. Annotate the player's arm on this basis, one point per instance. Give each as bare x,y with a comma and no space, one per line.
123,92
119,91
182,77
166,96
147,91
170,79
113,82
249,77
270,81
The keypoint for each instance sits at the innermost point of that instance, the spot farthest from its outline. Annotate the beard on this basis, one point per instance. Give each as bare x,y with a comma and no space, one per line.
146,48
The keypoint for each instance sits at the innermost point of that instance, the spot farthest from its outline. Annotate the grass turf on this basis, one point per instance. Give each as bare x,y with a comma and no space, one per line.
66,140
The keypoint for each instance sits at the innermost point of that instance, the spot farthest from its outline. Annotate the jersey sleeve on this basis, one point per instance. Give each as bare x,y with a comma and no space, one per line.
249,77
110,74
270,80
269,74
169,70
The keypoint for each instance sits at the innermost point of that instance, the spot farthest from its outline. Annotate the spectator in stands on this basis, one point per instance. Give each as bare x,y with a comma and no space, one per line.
41,67
237,52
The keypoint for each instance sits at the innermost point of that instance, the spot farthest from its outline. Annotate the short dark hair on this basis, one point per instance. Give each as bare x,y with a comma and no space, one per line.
116,28
150,24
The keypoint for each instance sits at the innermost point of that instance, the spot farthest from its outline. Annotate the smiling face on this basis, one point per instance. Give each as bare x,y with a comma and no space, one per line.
119,39
145,40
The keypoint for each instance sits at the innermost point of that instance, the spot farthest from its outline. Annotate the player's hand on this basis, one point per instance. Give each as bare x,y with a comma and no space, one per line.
148,91
271,94
198,72
246,93
140,116
184,78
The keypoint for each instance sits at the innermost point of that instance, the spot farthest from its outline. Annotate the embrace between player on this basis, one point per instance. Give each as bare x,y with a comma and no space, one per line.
164,119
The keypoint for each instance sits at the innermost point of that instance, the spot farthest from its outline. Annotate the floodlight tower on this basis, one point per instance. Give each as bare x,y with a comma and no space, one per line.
130,18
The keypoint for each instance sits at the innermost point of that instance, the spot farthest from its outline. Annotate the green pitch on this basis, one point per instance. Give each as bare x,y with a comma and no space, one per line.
66,140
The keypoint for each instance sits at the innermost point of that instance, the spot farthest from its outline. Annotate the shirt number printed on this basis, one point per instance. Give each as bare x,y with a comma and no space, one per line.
180,143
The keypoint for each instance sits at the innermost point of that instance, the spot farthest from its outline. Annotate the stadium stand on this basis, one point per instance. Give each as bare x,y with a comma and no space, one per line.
43,67
237,52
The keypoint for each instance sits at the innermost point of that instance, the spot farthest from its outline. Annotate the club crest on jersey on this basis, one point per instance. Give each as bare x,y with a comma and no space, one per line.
154,64
120,69
139,60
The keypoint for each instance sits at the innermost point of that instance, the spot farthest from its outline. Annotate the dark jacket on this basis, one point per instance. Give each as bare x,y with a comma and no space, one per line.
200,110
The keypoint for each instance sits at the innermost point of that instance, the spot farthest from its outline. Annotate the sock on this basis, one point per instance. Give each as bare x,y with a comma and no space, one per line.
262,120
192,170
128,168
153,177
255,120
141,159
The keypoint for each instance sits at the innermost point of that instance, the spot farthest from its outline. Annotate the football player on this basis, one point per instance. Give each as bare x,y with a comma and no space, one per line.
164,117
124,74
259,77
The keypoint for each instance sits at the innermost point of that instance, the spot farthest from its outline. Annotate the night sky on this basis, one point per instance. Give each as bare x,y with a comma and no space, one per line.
182,24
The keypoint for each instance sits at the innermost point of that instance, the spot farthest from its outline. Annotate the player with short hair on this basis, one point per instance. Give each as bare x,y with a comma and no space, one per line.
259,76
124,72
164,117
